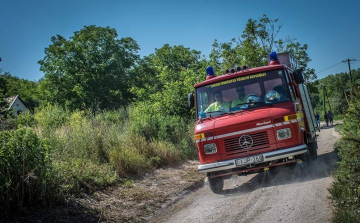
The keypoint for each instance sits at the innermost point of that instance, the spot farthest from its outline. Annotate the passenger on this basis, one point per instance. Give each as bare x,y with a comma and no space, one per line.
326,117
331,117
241,98
219,104
317,117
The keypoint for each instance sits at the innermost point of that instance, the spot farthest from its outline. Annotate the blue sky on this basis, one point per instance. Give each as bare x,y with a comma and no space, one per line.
330,28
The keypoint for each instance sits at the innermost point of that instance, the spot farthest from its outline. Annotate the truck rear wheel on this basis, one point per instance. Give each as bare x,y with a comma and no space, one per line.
216,184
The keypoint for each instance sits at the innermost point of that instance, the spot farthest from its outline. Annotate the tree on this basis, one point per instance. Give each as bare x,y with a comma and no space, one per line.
300,54
28,90
4,112
258,40
90,69
165,77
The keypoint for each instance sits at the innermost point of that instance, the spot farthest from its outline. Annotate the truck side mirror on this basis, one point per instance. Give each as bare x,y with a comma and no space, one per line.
299,78
191,100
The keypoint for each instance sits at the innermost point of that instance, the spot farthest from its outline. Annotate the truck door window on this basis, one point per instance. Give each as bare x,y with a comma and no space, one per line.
204,101
292,90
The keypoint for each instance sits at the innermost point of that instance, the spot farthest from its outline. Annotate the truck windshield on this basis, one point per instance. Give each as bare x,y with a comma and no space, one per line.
240,93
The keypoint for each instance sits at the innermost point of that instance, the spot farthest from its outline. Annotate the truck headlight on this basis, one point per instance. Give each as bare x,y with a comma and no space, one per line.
283,133
210,148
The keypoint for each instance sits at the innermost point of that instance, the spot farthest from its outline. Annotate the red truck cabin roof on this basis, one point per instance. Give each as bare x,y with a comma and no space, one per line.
239,74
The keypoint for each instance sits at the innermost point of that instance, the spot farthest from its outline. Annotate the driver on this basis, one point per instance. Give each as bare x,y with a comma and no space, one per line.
281,89
241,98
219,104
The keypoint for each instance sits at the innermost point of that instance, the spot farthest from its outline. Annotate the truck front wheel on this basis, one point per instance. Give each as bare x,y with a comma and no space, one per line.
313,149
305,157
216,184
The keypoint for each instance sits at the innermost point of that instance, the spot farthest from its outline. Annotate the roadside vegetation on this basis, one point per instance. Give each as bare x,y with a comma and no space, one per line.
55,153
345,190
338,127
102,115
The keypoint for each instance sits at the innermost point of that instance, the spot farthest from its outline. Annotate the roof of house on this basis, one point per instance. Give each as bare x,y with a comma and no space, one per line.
10,100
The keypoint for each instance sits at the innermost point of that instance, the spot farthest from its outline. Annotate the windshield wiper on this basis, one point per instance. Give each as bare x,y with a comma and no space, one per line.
215,111
249,103
223,113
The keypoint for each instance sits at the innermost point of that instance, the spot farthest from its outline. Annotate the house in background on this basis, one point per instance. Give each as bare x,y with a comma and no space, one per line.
16,105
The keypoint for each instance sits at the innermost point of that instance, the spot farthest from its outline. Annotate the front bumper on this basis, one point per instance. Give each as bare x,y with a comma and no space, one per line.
270,156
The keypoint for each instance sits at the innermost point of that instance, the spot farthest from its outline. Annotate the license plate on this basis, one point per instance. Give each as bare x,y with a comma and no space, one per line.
249,160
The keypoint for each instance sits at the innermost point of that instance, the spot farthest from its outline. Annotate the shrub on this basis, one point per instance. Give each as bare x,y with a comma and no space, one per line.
345,190
75,176
79,152
146,121
128,162
26,120
25,170
119,116
49,118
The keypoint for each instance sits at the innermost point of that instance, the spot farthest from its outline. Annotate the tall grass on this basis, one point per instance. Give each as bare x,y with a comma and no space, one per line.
25,170
82,153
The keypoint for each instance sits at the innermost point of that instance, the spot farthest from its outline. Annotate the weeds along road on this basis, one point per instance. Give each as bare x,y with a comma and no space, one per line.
292,195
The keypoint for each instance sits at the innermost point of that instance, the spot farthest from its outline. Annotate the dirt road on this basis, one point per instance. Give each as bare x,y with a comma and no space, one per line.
293,194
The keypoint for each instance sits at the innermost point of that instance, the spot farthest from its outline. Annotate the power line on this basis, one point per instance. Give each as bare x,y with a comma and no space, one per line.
328,68
340,69
358,51
348,61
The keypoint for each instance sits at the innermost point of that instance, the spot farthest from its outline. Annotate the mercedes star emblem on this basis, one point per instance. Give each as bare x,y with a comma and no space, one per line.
245,141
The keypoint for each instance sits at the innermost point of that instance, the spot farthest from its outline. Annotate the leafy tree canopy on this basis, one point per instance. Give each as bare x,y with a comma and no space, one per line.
91,68
11,86
336,86
165,78
258,40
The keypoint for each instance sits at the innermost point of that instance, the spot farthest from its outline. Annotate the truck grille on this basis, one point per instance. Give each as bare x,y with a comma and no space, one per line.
260,141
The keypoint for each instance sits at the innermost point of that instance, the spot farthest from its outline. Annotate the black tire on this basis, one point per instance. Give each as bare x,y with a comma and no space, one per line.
313,149
305,157
216,184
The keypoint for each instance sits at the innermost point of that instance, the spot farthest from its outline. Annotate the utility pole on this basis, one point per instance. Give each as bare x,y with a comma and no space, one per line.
324,100
348,61
327,96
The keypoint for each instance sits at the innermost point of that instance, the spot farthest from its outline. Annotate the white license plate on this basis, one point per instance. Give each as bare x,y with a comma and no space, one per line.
249,160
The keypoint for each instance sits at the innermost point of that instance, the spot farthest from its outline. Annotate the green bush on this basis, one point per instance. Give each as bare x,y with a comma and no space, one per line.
50,117
345,190
128,162
146,121
26,120
81,153
25,170
119,116
338,127
75,176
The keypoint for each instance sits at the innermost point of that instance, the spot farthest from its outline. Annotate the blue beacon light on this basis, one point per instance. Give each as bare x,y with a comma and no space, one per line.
210,73
273,56
274,59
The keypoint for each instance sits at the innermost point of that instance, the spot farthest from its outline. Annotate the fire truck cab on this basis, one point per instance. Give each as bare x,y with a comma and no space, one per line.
253,119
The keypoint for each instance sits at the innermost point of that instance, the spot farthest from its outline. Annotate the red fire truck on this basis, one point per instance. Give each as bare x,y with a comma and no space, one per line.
253,119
